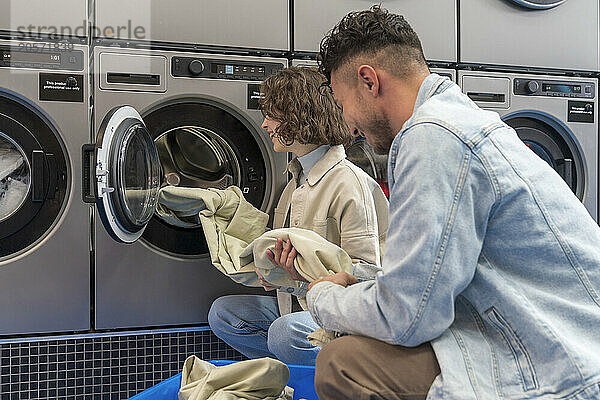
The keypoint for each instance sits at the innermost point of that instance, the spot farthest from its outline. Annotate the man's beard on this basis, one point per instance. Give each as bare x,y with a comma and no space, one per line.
379,130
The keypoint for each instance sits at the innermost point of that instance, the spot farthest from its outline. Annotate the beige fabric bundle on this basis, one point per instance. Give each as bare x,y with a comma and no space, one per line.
237,241
259,379
316,256
229,222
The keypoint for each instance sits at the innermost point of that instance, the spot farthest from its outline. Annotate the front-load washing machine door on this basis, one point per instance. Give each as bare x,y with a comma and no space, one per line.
203,143
553,143
34,172
127,174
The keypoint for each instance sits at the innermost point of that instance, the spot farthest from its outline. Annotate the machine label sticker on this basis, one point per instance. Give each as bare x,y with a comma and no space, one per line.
254,95
61,87
581,111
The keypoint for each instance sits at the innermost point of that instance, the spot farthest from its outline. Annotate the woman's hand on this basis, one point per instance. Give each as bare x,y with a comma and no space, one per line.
283,257
266,285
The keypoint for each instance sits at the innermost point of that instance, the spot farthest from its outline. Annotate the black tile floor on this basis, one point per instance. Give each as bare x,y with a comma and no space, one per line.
101,366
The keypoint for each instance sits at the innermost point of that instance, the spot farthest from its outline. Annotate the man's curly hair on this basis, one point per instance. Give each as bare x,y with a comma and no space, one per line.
306,113
366,33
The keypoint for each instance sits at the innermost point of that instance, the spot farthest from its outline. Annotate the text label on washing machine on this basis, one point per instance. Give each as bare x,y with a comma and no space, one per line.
581,111
61,87
254,96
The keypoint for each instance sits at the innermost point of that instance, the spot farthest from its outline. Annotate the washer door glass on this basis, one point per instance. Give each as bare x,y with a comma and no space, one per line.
539,4
138,170
15,177
127,174
34,176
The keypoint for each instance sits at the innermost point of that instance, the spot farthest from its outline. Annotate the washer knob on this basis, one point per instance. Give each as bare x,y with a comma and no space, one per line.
532,86
196,67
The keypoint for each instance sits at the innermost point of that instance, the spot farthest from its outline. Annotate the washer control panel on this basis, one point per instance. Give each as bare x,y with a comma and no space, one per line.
195,67
543,87
41,57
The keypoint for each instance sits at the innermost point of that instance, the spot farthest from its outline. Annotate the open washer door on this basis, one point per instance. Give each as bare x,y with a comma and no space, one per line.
127,174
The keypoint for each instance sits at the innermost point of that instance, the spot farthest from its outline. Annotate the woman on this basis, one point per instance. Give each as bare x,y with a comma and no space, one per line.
327,194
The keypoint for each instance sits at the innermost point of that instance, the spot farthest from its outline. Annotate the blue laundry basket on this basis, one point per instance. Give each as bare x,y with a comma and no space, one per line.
302,379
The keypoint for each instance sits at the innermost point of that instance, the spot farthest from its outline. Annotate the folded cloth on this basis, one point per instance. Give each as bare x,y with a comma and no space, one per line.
258,379
229,222
316,256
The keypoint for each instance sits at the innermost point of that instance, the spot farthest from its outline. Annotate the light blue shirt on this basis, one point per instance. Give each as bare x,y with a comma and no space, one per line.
309,160
489,256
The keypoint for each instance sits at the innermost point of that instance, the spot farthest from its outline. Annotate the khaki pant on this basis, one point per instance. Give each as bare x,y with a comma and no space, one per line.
361,368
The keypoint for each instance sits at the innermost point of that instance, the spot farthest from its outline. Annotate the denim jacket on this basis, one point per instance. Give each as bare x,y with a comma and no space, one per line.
489,256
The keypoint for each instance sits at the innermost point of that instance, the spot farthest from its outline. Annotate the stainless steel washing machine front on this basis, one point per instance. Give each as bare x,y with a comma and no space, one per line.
531,33
233,23
556,117
44,224
33,19
435,21
201,112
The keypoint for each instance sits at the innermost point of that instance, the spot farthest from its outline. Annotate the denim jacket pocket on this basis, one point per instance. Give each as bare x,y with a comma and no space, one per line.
517,348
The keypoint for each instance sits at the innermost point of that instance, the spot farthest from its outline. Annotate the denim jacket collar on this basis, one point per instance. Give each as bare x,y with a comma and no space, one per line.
429,87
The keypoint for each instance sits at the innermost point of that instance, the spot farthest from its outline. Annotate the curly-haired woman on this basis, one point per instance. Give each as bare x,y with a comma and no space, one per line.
328,195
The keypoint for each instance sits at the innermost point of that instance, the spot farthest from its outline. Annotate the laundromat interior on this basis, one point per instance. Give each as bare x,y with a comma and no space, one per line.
101,302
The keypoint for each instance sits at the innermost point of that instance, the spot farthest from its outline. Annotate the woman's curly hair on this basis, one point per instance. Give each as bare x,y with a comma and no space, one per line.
367,33
295,97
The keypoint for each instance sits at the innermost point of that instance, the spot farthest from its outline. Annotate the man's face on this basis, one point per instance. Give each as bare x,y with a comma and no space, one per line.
362,112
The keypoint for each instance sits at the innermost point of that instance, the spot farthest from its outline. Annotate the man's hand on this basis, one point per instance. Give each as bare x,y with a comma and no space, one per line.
341,278
283,258
266,285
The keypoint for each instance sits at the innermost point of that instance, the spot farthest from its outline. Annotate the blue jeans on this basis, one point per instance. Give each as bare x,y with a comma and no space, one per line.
253,326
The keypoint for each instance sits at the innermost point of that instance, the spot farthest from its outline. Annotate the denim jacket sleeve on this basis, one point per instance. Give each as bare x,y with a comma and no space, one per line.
440,201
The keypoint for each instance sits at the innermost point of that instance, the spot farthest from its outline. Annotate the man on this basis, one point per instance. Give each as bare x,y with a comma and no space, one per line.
489,255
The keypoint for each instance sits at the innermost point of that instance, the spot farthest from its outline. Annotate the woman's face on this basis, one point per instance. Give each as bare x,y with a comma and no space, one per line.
270,125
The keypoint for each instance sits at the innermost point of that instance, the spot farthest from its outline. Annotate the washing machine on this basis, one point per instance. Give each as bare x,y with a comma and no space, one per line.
556,117
556,34
178,118
41,19
238,24
44,234
435,21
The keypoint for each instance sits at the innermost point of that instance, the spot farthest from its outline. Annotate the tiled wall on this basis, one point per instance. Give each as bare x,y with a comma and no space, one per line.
101,366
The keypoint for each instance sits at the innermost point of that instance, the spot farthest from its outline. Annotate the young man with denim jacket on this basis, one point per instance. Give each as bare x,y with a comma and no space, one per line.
489,256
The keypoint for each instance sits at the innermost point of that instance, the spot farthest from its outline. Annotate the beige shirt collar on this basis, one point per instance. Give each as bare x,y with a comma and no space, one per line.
335,155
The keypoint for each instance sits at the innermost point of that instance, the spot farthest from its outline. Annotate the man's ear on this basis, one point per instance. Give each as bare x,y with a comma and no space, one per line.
368,79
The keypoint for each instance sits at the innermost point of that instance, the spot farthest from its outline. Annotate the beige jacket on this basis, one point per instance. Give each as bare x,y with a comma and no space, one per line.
340,202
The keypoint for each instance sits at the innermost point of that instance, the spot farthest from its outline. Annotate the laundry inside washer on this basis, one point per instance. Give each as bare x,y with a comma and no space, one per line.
14,178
